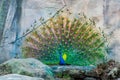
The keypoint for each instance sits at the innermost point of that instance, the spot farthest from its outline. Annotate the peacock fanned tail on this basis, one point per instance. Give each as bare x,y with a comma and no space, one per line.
77,38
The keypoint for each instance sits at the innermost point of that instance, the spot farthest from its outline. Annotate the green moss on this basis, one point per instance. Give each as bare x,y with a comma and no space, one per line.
26,73
5,69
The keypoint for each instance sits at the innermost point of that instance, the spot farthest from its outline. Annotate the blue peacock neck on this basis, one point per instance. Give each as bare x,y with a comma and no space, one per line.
62,62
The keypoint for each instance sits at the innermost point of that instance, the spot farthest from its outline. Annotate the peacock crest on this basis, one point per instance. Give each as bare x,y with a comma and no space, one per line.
66,40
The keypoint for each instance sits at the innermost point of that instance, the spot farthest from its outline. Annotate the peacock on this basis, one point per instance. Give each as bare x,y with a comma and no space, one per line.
66,40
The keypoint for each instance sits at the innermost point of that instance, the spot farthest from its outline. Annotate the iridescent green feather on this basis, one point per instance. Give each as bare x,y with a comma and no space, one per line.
78,38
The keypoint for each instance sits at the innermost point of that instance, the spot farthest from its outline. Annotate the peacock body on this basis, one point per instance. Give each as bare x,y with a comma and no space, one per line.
65,40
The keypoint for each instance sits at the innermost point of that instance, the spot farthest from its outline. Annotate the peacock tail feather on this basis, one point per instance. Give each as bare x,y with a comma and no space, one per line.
80,42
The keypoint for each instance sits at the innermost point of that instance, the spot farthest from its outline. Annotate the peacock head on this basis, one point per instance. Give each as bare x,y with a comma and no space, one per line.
63,55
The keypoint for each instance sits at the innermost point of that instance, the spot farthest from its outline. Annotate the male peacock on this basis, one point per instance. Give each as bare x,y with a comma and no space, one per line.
66,40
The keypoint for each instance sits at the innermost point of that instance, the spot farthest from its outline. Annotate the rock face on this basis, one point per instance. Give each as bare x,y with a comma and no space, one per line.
109,70
71,72
89,79
18,77
3,13
11,29
105,71
30,67
4,5
21,16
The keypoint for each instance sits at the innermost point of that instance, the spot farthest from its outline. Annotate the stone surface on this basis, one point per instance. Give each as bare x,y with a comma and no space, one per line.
90,78
34,68
109,70
71,72
104,71
3,13
70,68
11,30
30,67
118,79
18,77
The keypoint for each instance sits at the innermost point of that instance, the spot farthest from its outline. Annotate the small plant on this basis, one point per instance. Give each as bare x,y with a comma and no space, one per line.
66,40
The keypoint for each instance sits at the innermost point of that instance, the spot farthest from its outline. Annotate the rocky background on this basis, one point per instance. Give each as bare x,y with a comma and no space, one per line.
18,16
33,69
